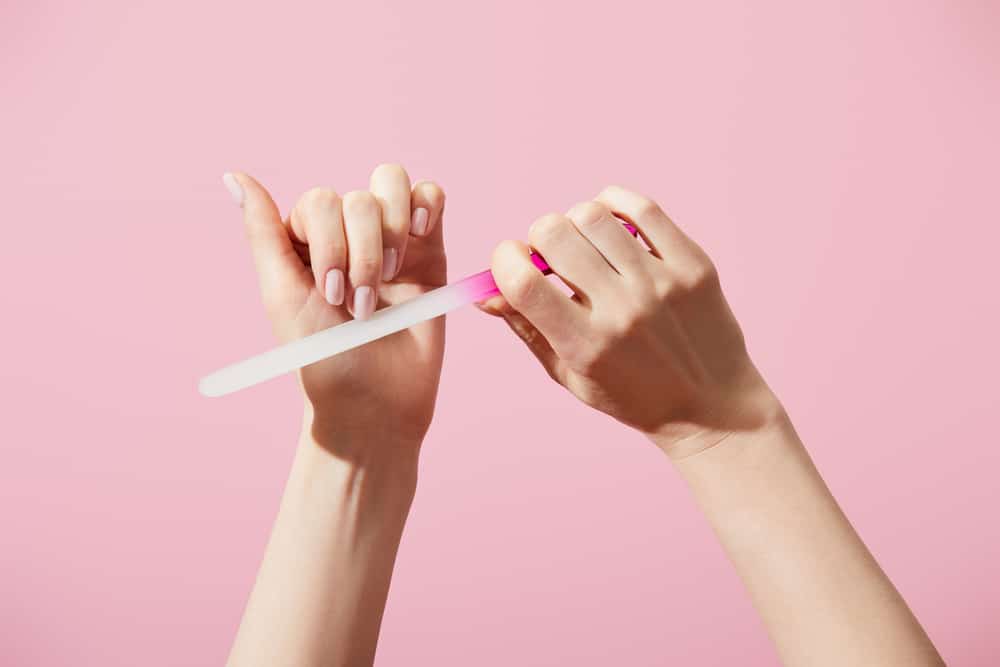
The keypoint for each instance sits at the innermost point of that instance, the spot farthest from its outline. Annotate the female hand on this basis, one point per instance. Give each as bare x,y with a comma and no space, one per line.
647,336
336,257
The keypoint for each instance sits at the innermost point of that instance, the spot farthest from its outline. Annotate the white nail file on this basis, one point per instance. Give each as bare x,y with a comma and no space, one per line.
342,337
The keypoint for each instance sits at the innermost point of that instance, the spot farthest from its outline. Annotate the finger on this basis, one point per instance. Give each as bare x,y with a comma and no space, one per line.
426,262
605,232
363,228
560,320
278,265
526,331
427,202
391,186
572,257
662,236
318,215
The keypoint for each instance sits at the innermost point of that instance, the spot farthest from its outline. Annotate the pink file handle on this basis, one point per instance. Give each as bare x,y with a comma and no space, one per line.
482,286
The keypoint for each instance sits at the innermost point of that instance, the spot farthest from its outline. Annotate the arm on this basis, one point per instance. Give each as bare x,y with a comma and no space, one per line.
325,576
323,582
821,594
649,339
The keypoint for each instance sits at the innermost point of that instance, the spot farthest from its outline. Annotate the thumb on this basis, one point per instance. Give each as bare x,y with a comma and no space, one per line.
498,306
278,265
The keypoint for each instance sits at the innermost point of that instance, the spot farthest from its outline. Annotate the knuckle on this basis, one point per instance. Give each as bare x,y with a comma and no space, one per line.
365,264
618,193
705,274
547,226
428,183
611,191
672,287
320,197
429,188
360,201
521,288
627,324
428,194
503,254
335,249
697,276
588,213
647,208
638,205
389,170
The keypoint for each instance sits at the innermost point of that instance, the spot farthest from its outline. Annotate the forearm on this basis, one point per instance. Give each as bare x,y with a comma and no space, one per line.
322,586
821,594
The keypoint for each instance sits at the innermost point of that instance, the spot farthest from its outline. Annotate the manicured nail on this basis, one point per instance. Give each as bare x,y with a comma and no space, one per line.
234,188
364,302
389,261
399,262
334,287
419,221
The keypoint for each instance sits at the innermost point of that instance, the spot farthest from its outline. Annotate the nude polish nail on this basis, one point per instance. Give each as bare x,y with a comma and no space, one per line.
364,302
399,262
390,256
333,289
418,223
234,187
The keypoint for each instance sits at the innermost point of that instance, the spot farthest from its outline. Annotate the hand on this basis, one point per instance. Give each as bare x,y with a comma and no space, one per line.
337,256
647,336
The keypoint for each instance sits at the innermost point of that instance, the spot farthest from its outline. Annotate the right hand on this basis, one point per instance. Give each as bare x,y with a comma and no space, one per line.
647,337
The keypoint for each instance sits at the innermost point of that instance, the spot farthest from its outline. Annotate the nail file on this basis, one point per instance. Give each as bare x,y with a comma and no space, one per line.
342,337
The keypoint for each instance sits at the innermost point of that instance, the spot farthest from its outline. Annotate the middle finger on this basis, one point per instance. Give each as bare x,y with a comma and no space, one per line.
363,227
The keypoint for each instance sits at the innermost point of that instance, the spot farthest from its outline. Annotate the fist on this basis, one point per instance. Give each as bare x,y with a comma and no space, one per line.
646,335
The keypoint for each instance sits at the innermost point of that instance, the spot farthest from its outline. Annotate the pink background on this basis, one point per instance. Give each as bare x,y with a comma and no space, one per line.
839,160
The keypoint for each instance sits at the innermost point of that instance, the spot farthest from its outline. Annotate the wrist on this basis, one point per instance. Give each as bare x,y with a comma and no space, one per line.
713,456
377,486
334,464
367,442
757,415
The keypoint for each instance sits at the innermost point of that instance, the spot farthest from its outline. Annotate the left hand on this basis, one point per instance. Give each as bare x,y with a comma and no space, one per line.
337,257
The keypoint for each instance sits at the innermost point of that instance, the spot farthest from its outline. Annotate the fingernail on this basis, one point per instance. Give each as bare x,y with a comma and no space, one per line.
389,260
334,287
419,221
364,302
399,262
234,188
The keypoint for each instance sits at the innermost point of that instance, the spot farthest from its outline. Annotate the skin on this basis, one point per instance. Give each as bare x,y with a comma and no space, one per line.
322,585
646,336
